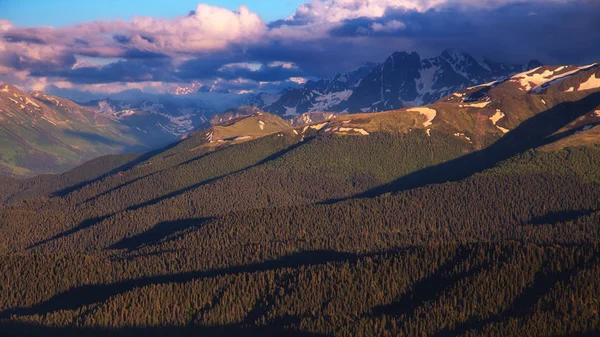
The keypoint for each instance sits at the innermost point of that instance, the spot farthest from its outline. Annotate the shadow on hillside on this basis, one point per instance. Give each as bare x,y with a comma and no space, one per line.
130,182
263,161
88,223
83,225
158,232
90,294
140,159
233,330
93,138
532,133
524,303
430,287
554,218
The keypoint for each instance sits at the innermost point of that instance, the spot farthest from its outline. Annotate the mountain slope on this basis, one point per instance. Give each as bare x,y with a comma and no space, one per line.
45,134
402,80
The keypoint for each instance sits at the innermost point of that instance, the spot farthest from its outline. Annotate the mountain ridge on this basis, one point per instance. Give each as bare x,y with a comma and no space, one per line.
403,79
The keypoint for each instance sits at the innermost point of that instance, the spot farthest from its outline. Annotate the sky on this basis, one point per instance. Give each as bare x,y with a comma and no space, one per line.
267,45
52,12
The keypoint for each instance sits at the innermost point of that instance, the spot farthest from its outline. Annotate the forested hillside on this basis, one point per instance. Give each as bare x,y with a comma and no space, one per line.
424,221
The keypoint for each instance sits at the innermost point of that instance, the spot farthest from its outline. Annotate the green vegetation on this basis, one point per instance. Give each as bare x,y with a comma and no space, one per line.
44,134
274,235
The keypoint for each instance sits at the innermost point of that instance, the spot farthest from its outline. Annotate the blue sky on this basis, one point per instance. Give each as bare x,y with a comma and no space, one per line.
68,12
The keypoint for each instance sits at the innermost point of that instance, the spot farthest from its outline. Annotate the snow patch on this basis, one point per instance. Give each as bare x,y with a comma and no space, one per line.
318,126
482,85
428,132
570,89
425,83
592,83
361,131
261,125
478,105
290,111
428,113
597,113
496,117
462,135
324,102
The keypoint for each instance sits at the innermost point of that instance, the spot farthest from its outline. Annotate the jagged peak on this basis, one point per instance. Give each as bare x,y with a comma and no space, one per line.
403,55
453,54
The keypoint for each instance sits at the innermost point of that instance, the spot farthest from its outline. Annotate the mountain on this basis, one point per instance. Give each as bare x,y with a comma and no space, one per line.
234,113
184,89
299,120
402,80
245,127
40,133
162,121
476,215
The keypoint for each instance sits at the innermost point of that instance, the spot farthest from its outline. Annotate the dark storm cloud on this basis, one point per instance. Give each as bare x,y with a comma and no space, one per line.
555,32
264,74
121,71
142,54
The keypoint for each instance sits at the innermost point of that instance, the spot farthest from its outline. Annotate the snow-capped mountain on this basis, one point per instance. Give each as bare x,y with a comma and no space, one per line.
314,96
161,121
404,79
184,89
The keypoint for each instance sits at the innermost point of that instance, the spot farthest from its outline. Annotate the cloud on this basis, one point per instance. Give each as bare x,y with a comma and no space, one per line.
388,27
237,49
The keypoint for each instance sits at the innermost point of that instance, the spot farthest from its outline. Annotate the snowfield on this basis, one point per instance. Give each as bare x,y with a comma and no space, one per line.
592,83
427,112
497,117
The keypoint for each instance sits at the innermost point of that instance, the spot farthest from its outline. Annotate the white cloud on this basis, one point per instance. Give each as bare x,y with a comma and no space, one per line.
388,27
298,80
284,65
339,10
208,28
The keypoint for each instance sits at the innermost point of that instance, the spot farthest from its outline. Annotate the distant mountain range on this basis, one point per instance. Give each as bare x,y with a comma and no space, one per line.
42,133
402,80
164,120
